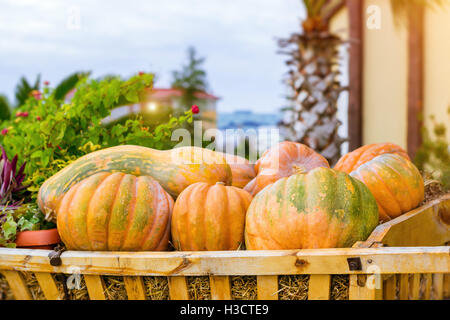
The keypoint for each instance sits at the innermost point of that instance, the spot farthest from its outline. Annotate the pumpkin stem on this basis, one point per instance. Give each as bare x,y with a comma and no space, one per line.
299,169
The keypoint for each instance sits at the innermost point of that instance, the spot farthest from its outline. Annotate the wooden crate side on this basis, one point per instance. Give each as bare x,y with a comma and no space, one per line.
135,288
178,289
17,285
222,263
220,287
319,287
364,287
48,286
267,287
414,286
95,287
425,226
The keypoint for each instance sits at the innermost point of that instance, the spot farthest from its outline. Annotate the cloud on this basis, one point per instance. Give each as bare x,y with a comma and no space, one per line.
236,37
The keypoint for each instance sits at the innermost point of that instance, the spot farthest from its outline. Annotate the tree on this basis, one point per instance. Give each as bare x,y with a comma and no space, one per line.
313,81
191,78
313,75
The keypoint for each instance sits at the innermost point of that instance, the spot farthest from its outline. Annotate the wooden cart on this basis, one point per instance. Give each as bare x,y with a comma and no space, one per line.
406,258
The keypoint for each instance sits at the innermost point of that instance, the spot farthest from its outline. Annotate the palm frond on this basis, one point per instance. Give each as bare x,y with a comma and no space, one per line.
5,108
24,88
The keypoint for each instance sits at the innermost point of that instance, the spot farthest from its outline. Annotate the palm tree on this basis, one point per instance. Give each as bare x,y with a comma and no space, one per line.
313,76
313,81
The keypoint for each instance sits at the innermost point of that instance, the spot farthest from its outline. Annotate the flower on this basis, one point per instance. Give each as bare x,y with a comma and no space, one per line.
38,118
141,73
36,94
22,114
4,132
46,83
195,109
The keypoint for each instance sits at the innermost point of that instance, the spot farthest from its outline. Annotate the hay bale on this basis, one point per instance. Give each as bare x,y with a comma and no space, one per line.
243,287
157,288
339,287
199,288
5,290
115,288
293,287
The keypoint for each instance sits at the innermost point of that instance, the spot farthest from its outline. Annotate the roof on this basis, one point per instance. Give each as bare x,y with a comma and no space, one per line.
160,93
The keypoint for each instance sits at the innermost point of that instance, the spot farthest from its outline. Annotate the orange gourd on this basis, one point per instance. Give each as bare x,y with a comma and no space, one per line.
209,217
395,183
115,212
352,160
284,160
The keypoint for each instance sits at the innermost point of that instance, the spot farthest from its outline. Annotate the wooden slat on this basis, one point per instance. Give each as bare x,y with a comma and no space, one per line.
319,287
178,288
390,288
306,261
135,288
447,286
414,287
424,226
438,286
404,287
428,283
359,290
267,287
95,286
48,286
220,287
17,285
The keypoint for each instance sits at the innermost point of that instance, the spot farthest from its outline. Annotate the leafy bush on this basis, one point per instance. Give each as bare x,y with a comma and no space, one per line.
49,133
433,157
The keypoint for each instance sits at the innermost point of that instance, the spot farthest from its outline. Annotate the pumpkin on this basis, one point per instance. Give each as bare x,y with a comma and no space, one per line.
116,212
174,169
323,208
241,169
395,183
284,160
352,160
209,217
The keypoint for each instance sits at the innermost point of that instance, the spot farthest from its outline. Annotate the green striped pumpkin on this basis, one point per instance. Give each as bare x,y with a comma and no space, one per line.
324,208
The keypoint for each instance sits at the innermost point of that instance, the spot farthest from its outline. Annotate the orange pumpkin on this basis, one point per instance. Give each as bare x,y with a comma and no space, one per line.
352,160
395,183
116,212
242,170
323,208
284,160
209,217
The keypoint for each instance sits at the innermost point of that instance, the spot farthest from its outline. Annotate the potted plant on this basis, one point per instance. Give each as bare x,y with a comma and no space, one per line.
21,224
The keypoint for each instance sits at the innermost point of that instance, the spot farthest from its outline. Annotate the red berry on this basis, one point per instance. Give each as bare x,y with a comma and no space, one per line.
195,109
4,132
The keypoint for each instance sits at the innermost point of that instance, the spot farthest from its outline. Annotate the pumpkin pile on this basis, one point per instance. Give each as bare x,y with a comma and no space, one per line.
131,198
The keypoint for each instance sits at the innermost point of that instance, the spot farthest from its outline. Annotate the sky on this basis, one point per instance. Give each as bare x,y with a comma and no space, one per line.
238,38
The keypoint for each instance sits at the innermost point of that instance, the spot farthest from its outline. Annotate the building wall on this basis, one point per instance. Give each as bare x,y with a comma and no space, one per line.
386,72
437,65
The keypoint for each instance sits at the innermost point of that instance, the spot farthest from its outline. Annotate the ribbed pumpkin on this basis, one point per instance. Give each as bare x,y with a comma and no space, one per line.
352,160
324,208
284,160
242,170
395,183
116,212
174,169
209,217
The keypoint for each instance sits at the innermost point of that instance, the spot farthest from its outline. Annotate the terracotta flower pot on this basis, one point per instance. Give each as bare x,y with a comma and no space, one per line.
39,239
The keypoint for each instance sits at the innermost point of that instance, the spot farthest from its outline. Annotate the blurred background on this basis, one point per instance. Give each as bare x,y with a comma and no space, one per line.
333,74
